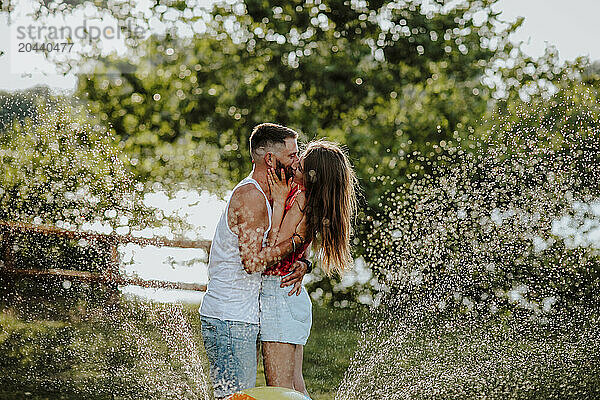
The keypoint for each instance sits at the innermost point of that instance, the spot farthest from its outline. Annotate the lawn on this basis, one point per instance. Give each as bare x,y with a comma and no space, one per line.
142,351
152,351
333,340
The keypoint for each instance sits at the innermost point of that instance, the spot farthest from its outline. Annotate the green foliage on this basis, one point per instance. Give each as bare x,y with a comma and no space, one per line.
60,166
507,226
564,126
18,106
404,86
398,94
328,69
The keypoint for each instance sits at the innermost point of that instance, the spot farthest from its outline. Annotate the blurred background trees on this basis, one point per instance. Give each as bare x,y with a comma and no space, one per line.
385,79
405,86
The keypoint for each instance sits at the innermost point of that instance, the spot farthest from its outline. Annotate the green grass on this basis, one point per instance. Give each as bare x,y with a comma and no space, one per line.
332,342
120,353
124,355
331,345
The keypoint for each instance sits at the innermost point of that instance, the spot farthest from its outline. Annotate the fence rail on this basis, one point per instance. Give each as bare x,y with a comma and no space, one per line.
111,274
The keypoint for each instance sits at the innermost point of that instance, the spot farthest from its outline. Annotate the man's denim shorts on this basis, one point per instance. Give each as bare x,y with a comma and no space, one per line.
231,350
283,318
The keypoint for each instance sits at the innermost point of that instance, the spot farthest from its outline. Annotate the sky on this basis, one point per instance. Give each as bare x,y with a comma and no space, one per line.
570,26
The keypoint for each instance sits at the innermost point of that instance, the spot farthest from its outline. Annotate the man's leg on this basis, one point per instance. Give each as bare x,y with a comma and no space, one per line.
213,332
231,350
243,364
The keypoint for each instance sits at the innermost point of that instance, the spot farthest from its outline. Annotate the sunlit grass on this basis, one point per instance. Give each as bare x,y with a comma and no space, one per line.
98,358
123,354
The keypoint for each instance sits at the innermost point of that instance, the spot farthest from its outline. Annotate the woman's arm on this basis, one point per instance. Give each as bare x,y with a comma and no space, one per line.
292,226
279,192
294,222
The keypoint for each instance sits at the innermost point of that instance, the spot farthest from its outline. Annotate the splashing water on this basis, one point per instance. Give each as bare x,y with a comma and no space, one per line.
183,373
183,347
62,338
492,270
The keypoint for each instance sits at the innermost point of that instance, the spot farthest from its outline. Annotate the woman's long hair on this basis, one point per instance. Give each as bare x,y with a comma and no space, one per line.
331,203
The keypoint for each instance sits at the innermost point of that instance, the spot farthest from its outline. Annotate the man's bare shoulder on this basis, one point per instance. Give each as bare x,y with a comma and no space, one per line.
248,196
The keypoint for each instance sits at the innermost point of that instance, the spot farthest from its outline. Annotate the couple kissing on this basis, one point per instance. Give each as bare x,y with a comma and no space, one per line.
259,250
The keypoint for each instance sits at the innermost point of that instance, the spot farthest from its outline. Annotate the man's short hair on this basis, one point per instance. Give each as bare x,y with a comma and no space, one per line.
266,135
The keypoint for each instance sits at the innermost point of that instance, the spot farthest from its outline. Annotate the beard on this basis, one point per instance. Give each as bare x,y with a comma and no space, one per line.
288,171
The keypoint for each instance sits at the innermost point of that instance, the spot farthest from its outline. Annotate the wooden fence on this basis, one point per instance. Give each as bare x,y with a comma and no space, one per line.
110,274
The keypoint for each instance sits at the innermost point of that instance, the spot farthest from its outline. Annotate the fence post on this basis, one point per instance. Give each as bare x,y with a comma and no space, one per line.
112,274
6,245
7,259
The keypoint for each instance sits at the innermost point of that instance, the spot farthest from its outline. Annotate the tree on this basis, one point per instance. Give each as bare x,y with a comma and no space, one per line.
327,69
61,167
402,85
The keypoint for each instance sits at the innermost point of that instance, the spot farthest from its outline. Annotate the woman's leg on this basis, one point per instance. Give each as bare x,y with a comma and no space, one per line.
298,377
279,360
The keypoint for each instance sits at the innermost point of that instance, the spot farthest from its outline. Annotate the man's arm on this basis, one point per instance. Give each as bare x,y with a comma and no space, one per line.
249,215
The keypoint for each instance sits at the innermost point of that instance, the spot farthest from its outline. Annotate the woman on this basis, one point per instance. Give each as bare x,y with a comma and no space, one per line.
318,206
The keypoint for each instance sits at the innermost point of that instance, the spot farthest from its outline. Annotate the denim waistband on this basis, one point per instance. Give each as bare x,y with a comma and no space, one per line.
272,277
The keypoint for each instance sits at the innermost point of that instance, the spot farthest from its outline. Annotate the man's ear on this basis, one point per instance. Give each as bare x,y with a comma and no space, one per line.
269,159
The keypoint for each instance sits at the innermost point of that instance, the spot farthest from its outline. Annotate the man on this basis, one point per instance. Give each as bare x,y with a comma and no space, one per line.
229,311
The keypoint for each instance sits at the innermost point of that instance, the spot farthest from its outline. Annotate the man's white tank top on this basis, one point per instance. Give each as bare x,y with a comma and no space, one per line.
232,294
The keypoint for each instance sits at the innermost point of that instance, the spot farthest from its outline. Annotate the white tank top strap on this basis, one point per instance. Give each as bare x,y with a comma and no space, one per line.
249,180
269,210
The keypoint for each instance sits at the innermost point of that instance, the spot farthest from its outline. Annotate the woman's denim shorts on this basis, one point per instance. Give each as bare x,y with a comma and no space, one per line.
283,318
231,350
